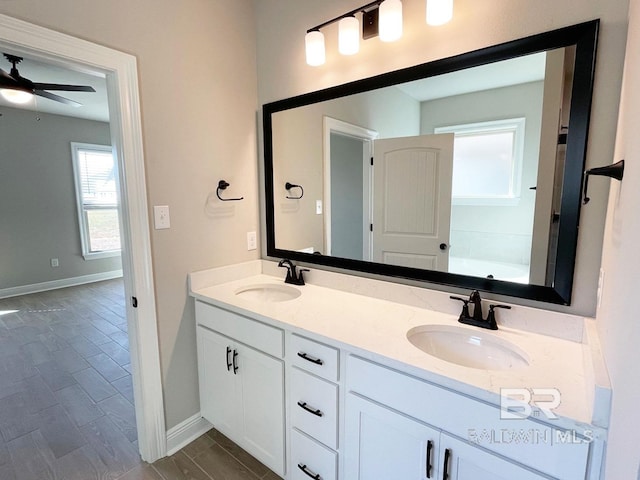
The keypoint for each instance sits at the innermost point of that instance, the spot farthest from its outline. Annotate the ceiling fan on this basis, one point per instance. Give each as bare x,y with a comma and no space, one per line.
18,89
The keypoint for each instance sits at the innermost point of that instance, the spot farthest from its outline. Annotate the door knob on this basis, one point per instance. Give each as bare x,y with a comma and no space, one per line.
443,246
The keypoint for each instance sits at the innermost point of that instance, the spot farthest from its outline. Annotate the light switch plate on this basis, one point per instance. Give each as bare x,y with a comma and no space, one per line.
318,207
161,217
252,243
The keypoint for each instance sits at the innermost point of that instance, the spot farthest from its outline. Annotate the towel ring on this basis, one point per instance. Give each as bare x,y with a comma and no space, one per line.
222,185
289,186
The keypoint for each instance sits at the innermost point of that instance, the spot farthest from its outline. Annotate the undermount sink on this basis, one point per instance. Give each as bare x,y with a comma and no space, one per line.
268,292
467,347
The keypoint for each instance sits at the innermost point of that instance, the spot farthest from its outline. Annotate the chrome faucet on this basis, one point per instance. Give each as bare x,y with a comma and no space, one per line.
294,276
477,319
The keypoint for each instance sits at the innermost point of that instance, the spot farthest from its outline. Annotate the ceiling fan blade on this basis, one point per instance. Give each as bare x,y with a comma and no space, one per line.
7,80
66,88
57,98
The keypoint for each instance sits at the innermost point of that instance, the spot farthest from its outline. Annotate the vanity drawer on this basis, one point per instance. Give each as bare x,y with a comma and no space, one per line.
309,458
250,332
314,407
315,357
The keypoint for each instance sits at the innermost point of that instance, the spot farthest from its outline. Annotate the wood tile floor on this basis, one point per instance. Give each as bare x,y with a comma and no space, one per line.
66,399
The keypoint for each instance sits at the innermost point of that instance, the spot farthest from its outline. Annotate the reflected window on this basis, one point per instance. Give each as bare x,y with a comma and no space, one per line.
487,161
97,196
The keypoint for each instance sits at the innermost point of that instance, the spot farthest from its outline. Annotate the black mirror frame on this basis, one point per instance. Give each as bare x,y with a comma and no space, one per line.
584,36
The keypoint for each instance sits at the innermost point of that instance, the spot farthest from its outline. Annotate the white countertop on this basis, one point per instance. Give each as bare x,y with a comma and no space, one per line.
376,329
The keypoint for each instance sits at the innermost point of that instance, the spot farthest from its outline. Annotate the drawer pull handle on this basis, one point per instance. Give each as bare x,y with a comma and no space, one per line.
228,362
308,358
303,405
429,449
445,471
308,472
235,363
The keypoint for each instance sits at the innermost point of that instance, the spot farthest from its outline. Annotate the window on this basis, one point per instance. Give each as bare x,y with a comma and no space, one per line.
95,175
487,162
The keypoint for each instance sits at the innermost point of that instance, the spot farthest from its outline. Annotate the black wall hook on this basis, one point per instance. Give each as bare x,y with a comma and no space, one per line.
615,170
289,186
222,185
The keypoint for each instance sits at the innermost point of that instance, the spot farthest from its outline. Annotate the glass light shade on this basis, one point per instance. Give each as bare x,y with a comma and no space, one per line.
314,44
390,20
349,36
16,96
439,12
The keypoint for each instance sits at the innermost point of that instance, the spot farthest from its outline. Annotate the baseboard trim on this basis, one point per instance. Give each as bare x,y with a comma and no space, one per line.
62,283
186,432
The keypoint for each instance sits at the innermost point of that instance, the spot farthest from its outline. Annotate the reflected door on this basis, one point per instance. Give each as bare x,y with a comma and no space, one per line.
412,201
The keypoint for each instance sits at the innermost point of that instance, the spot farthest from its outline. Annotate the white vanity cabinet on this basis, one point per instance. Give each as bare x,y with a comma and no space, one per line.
313,409
241,376
433,432
384,444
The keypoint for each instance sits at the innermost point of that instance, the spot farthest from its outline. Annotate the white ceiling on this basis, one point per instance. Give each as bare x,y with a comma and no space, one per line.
494,75
94,105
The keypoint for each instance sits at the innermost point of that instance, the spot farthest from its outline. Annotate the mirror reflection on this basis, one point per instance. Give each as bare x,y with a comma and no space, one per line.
458,173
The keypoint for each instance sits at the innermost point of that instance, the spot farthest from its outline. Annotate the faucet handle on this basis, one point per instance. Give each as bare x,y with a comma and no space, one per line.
465,305
300,277
491,316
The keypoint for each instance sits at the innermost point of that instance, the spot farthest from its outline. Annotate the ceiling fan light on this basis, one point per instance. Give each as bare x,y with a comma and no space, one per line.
390,20
314,45
16,96
349,36
439,12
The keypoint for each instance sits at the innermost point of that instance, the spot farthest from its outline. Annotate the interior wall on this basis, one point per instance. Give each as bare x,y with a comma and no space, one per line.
37,198
197,73
298,146
284,73
347,180
500,233
616,318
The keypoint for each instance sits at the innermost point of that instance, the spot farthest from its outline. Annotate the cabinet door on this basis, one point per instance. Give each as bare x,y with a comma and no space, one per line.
382,444
218,396
467,462
261,379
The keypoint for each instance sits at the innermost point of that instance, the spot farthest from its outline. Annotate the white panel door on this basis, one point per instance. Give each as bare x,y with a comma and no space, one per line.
466,462
412,201
261,379
381,444
218,396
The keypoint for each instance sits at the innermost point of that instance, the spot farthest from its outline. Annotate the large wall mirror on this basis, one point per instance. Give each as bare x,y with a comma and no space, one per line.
465,171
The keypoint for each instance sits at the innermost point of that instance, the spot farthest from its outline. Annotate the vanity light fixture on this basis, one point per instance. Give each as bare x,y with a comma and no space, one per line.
390,20
439,12
348,36
381,17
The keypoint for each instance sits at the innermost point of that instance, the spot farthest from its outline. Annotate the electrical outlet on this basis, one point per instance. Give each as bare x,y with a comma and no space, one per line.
318,207
55,262
252,243
161,217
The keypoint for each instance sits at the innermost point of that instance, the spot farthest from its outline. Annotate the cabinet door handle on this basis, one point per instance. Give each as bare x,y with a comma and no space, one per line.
228,362
305,469
429,450
316,412
445,470
235,363
311,359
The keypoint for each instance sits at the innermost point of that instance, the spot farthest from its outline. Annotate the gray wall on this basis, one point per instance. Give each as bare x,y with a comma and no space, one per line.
495,233
298,154
37,198
346,197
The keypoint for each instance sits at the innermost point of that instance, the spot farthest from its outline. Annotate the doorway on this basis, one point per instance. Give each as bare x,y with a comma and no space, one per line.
120,70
